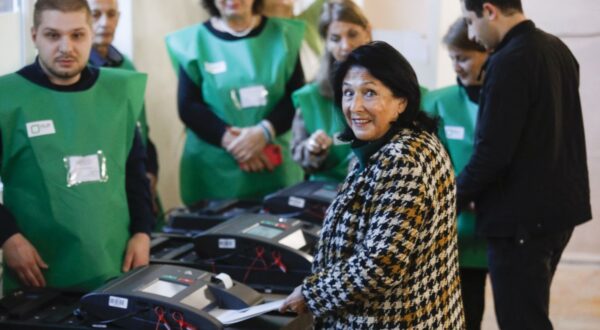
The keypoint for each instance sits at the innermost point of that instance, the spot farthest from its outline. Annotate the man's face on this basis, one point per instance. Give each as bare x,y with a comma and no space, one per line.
105,14
480,28
64,41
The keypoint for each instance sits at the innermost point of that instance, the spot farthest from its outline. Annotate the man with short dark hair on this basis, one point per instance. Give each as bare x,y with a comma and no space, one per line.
76,206
528,173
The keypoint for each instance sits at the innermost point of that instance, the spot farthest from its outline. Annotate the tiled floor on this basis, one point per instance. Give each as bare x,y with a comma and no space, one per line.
575,297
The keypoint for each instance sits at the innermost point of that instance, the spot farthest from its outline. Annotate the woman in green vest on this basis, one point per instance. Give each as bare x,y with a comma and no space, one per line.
236,74
314,146
457,107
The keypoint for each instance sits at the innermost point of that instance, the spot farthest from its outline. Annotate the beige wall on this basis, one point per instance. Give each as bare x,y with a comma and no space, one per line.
152,21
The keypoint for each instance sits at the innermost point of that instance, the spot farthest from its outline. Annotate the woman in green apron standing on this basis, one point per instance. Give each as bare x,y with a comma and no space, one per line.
314,146
457,108
236,74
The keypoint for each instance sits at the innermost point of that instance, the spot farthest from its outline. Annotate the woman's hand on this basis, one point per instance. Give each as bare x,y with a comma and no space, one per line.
318,142
248,144
294,302
258,163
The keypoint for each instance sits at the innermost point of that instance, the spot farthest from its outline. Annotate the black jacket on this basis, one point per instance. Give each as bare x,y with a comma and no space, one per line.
528,173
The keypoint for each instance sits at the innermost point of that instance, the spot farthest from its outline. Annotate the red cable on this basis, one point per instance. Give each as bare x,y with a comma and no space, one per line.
260,251
277,261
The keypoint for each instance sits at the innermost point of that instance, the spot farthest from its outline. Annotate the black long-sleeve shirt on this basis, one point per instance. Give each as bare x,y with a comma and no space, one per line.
136,182
528,172
197,115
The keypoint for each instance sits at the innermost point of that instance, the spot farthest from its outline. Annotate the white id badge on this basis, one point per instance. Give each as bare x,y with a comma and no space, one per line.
455,132
253,96
215,67
82,169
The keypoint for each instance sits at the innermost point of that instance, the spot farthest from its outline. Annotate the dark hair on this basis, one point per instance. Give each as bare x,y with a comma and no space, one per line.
335,11
506,6
386,64
65,6
213,11
458,37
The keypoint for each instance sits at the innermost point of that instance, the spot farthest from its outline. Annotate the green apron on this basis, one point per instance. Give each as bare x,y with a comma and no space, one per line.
79,229
458,116
320,113
241,81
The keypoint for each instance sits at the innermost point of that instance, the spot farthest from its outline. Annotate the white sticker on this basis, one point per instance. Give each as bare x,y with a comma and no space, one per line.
39,128
296,202
253,96
215,67
85,169
455,132
227,243
117,302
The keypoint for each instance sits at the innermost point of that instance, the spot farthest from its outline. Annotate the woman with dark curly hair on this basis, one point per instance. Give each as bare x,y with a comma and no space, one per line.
387,256
236,73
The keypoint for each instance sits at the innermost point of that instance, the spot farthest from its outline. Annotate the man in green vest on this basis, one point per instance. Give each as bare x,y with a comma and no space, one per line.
105,15
76,206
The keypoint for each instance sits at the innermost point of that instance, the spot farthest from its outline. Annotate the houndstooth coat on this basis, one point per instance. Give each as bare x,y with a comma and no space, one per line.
387,256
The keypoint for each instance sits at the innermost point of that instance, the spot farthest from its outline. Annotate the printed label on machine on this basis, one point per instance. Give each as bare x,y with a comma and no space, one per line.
226,243
296,202
117,302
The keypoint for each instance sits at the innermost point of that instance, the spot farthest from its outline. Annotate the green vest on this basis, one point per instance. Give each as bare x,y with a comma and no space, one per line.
127,64
311,17
241,81
458,116
320,113
79,229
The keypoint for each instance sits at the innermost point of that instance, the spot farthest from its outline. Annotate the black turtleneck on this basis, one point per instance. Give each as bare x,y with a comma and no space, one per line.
136,183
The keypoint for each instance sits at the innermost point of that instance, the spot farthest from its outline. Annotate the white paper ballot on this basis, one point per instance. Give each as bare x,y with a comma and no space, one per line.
231,316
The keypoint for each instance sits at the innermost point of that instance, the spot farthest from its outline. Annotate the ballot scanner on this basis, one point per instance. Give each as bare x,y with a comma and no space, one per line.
307,200
206,214
268,252
166,296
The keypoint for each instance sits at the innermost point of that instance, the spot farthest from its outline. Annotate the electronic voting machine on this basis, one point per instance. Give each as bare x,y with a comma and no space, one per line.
307,200
269,252
167,296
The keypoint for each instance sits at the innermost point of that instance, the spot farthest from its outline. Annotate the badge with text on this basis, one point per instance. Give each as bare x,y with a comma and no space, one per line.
455,132
86,169
253,96
40,128
215,67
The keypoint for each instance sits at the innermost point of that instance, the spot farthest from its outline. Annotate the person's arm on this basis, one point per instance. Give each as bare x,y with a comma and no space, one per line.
195,113
500,124
282,115
140,207
19,254
384,254
301,154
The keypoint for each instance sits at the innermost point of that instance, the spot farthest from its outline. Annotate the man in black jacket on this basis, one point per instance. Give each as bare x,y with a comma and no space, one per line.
528,174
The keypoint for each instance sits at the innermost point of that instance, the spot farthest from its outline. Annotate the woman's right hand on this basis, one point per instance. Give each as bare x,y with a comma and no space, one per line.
318,142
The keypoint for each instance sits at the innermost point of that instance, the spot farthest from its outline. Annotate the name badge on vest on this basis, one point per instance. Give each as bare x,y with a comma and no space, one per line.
215,67
86,169
337,141
40,128
455,132
250,97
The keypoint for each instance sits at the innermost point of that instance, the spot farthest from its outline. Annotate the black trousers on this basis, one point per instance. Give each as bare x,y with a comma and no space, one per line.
472,285
521,271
